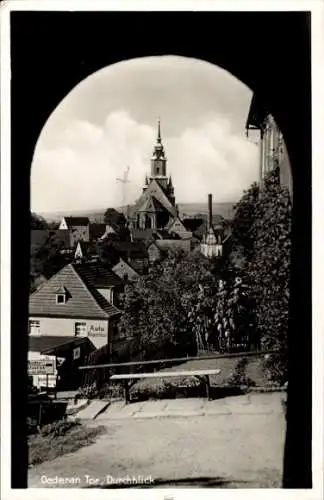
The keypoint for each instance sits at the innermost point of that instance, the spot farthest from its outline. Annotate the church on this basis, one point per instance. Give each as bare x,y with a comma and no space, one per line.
156,207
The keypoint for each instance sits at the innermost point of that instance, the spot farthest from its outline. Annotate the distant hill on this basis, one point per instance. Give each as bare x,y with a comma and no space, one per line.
185,209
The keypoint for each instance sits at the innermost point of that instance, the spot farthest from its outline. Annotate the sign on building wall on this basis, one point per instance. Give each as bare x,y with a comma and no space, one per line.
41,367
96,331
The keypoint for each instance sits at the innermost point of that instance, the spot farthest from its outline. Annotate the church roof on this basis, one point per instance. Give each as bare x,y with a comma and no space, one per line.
151,204
155,190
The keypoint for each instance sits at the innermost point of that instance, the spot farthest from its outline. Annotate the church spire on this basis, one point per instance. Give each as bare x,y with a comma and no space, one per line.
158,160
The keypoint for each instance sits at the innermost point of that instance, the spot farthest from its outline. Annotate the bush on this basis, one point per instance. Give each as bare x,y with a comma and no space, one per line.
239,376
59,428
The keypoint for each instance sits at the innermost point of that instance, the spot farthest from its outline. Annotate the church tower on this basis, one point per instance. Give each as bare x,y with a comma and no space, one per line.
158,162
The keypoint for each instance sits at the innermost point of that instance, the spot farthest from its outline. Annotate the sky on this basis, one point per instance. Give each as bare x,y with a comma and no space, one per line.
109,122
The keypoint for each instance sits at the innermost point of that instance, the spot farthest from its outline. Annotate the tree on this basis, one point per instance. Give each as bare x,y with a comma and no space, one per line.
242,224
181,303
37,222
118,222
267,246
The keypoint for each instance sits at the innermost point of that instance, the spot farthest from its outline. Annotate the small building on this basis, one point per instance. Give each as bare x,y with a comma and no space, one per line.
53,360
78,228
81,300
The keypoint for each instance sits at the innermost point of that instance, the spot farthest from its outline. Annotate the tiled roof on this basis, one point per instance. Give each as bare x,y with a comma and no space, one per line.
45,343
123,267
77,221
151,204
155,189
83,300
97,276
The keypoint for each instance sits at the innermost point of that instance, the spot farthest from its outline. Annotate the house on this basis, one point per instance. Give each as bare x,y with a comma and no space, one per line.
125,271
77,227
81,300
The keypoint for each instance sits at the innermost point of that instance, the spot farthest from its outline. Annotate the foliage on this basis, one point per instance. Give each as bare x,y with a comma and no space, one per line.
242,224
184,303
48,259
37,222
267,244
117,221
239,376
59,439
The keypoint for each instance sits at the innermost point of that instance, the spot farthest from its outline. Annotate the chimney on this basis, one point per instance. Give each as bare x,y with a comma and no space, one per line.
210,210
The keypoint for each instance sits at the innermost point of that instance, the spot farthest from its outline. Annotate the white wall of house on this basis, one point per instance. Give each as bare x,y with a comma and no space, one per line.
96,330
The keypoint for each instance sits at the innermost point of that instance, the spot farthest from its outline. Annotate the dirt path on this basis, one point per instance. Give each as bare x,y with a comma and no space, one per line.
236,450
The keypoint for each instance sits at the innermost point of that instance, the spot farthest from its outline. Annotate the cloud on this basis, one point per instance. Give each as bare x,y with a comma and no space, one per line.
78,170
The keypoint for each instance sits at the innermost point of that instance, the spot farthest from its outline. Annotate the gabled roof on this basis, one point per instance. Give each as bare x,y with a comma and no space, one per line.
87,247
123,267
154,189
84,301
77,221
172,222
151,204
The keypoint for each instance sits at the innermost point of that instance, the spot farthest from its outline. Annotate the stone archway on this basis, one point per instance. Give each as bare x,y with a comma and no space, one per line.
255,48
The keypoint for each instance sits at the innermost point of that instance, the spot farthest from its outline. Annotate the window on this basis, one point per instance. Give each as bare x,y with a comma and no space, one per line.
80,329
60,298
34,327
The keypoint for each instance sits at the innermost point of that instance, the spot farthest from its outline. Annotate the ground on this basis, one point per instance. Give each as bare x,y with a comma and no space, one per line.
235,442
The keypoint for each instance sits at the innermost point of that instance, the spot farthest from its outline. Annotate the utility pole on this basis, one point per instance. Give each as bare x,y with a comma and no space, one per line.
124,180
